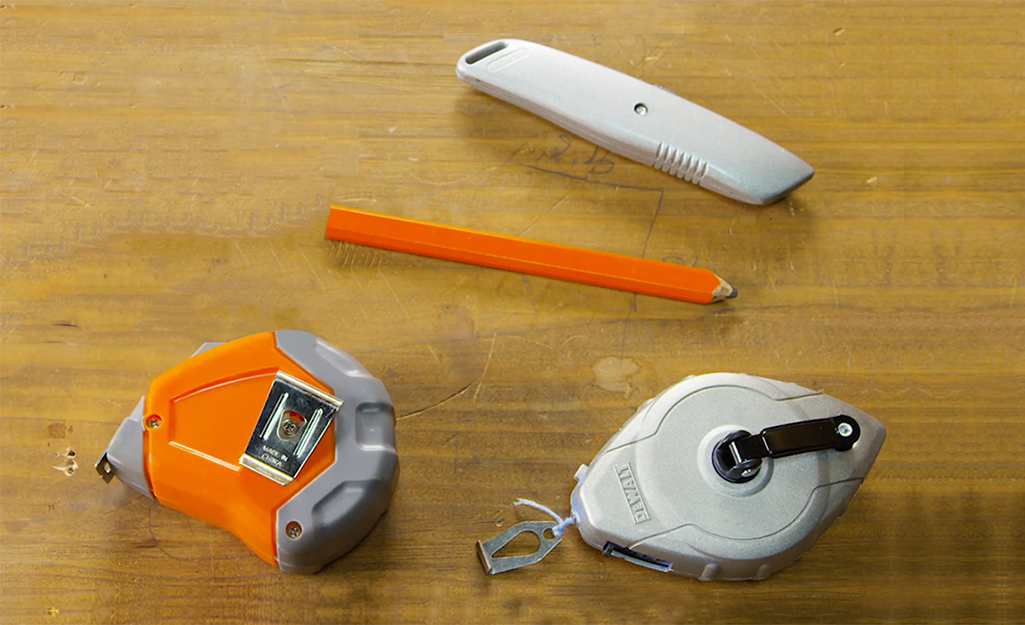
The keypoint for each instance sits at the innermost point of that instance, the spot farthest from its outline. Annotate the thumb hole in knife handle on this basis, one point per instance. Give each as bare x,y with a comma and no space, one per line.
484,52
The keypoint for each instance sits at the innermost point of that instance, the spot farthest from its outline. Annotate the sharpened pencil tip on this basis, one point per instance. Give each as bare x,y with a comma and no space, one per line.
723,292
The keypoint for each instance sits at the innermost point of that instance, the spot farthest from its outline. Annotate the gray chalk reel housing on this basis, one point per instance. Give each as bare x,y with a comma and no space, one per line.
654,496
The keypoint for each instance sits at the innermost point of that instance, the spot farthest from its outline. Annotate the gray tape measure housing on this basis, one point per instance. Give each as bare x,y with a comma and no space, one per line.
342,504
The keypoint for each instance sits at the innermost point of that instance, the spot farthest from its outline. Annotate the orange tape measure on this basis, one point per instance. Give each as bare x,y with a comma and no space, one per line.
280,438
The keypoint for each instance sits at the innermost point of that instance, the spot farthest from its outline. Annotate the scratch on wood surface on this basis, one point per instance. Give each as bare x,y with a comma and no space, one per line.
530,291
782,360
274,80
395,295
523,338
351,198
460,283
650,55
433,353
355,278
771,101
491,171
276,259
545,214
438,184
487,363
245,259
313,270
571,338
74,198
441,402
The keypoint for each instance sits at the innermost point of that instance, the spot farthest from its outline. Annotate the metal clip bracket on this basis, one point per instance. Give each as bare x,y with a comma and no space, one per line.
492,565
292,421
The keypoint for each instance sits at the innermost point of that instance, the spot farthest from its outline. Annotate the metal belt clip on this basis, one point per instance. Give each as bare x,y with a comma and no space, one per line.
293,419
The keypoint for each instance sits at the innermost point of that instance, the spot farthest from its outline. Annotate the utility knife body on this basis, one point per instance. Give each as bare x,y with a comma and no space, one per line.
635,119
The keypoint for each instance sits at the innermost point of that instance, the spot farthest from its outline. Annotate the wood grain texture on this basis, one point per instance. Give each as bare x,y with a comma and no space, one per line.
167,171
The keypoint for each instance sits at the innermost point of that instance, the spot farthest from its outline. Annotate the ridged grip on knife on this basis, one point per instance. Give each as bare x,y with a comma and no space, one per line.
635,119
680,164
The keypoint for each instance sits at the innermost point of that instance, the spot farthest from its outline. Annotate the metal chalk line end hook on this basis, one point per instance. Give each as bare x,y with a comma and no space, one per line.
486,550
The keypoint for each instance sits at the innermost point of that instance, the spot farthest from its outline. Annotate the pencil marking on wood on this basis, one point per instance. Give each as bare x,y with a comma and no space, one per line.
606,183
149,526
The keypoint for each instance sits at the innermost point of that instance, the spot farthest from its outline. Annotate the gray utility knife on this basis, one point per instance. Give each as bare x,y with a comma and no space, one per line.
725,476
632,118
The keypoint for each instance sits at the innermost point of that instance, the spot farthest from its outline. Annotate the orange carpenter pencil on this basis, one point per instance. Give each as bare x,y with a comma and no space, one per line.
539,258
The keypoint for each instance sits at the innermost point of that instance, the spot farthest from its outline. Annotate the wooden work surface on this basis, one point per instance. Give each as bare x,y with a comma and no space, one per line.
167,173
